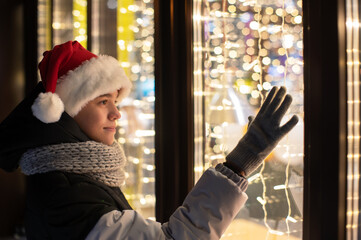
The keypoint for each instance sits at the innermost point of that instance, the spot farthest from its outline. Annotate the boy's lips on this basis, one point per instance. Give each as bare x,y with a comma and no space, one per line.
112,129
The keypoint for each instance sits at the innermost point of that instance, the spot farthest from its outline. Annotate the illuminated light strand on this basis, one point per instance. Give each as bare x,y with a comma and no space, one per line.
264,202
200,156
353,100
262,100
225,44
259,48
209,158
350,132
357,114
287,195
289,159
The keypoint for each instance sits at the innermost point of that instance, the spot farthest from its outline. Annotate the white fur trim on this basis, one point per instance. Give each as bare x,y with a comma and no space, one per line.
48,107
94,77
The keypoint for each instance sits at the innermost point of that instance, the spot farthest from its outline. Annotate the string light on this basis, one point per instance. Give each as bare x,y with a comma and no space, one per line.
353,120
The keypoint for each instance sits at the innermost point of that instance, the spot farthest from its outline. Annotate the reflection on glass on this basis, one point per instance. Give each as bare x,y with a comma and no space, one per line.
242,49
69,21
62,24
134,44
80,21
44,27
124,29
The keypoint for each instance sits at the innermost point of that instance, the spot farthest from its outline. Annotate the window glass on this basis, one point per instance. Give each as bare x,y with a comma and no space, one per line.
125,30
242,49
135,52
69,21
44,27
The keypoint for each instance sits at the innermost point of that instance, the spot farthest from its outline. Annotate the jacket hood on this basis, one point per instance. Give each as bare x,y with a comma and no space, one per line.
21,131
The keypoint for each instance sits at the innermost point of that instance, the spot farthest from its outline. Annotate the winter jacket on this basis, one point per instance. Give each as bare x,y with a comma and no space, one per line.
71,206
64,205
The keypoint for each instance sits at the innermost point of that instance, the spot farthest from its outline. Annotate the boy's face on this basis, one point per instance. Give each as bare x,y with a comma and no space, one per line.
98,118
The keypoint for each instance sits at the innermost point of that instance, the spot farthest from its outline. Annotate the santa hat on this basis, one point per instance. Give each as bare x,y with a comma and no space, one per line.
72,76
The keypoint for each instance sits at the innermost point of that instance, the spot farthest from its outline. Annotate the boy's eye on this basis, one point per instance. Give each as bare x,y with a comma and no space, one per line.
104,102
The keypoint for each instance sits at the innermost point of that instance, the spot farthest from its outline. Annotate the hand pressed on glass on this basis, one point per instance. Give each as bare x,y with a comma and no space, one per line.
263,134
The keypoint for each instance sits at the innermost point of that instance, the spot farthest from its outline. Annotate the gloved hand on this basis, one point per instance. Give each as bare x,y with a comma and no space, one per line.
263,134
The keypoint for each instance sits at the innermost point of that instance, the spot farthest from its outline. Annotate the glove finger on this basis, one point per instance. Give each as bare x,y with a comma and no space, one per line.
250,120
289,125
268,100
276,101
280,112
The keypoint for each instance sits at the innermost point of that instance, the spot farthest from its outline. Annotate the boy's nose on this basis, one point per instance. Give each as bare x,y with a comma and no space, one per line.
114,114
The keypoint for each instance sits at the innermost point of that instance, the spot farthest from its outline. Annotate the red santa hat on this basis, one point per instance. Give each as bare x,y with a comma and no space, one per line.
72,76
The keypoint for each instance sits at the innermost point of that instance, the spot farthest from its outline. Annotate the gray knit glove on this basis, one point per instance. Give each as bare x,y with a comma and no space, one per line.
263,134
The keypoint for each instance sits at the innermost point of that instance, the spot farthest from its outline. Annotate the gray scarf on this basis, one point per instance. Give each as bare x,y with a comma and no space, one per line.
99,161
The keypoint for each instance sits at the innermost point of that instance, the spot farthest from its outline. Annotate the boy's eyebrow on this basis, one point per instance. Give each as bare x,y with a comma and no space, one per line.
109,95
105,95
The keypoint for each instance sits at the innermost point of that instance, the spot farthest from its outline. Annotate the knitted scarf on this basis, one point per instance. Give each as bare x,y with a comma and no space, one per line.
99,161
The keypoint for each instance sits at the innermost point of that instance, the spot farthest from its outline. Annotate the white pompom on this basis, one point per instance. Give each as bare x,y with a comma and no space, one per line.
48,107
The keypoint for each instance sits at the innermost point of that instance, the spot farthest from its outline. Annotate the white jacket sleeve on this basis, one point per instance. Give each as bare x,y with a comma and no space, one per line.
205,214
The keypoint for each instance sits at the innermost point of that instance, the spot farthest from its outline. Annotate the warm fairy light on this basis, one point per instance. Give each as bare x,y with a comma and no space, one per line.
279,187
144,133
56,25
134,160
353,177
291,219
254,177
198,169
261,200
279,233
149,167
353,137
147,116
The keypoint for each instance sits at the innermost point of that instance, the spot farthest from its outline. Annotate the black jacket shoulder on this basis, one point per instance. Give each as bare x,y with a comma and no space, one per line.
64,205
22,131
